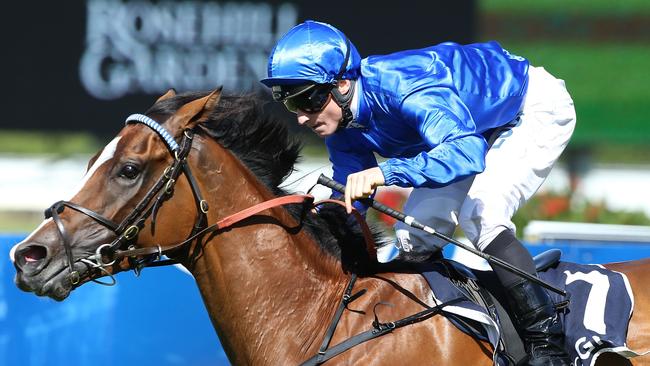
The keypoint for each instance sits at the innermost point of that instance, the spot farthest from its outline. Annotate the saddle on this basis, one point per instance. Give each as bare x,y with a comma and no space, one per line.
479,293
484,290
475,303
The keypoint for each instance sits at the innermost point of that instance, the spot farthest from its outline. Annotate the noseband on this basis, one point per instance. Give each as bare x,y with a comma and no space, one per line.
127,235
127,231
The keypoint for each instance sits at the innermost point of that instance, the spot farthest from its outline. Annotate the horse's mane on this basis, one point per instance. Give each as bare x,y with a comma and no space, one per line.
263,143
240,124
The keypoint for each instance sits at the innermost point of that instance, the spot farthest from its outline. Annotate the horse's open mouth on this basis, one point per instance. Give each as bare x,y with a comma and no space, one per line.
56,285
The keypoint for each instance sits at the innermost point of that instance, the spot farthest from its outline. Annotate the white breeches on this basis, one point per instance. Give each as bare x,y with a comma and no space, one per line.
517,163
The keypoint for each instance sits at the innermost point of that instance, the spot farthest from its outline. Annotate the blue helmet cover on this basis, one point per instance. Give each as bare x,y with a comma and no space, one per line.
311,52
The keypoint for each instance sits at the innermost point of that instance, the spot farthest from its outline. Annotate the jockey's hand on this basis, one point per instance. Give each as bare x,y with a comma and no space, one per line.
362,185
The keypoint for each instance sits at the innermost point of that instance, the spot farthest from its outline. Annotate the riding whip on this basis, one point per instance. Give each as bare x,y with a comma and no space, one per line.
410,221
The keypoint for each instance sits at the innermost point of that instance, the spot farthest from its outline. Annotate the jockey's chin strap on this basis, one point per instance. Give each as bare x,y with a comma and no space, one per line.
344,100
127,231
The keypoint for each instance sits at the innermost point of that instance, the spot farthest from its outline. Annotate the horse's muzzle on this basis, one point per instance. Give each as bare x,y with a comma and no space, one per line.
31,259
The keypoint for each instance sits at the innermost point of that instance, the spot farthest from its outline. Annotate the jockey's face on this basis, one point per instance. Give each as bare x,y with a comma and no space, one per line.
325,122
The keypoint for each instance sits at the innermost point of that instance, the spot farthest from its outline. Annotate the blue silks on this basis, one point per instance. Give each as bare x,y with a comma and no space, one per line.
311,52
427,111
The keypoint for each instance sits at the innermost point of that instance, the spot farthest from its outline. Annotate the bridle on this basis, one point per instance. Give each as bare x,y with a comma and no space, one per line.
128,229
126,232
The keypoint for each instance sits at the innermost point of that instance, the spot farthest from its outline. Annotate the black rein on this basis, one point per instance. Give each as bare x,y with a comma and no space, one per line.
127,231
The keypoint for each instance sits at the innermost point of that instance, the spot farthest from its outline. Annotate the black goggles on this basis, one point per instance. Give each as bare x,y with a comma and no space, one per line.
309,98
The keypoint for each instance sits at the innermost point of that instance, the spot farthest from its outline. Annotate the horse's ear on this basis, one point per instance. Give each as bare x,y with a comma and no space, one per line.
198,110
170,93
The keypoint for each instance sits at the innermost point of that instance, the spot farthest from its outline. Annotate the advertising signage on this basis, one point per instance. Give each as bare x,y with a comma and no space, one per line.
85,65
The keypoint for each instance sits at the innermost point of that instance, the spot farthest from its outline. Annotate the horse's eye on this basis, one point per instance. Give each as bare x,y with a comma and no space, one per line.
129,171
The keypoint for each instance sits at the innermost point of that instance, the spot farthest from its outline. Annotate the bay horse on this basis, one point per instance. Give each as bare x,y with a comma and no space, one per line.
271,280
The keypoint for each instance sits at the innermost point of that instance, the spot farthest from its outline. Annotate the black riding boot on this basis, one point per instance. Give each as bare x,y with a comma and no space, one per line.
531,306
538,324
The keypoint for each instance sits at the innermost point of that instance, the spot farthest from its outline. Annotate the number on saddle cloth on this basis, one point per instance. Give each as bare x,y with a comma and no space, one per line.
598,315
595,320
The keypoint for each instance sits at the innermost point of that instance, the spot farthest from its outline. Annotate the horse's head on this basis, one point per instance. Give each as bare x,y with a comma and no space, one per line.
124,186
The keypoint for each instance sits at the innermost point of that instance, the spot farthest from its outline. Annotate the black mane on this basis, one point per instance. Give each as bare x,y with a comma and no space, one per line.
263,143
240,124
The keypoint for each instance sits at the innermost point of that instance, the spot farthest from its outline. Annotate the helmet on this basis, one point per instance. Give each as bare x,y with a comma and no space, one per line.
312,52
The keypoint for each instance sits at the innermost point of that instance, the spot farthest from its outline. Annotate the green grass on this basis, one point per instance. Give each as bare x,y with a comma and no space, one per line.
60,143
19,222
582,7
609,83
616,72
617,154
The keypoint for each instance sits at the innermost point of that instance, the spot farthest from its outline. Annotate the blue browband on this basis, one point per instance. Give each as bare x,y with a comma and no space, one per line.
141,118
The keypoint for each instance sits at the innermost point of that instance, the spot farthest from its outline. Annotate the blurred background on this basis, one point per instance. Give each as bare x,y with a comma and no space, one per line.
73,70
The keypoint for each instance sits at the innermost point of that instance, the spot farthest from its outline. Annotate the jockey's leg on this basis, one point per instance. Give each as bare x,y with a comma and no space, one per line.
506,247
517,163
437,208
531,307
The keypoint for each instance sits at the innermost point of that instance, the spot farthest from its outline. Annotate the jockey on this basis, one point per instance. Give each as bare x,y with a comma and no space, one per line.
473,129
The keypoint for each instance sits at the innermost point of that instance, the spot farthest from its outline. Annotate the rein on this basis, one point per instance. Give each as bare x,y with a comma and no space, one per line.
220,225
128,229
123,246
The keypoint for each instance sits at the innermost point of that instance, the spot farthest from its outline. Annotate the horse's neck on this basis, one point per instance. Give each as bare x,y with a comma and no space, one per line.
270,293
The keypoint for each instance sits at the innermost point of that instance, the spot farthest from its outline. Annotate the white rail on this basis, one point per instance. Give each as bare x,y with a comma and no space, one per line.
537,231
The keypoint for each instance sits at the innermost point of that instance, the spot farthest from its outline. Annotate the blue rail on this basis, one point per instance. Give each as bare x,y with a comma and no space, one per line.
156,319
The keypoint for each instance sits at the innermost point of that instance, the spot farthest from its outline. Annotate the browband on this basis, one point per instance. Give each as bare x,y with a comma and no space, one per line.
166,137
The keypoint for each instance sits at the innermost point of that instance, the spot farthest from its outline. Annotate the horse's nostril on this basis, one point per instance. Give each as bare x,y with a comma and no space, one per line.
32,253
31,258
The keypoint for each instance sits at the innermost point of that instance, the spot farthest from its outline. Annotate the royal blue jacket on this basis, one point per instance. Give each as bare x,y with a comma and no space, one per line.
428,110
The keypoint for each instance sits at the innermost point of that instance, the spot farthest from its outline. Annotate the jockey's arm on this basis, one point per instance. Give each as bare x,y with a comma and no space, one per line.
456,151
347,158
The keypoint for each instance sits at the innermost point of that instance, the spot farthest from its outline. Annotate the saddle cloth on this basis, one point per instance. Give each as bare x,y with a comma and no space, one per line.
595,321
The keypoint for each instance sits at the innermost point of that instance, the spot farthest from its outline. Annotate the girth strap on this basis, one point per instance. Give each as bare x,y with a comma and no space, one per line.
347,298
378,331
